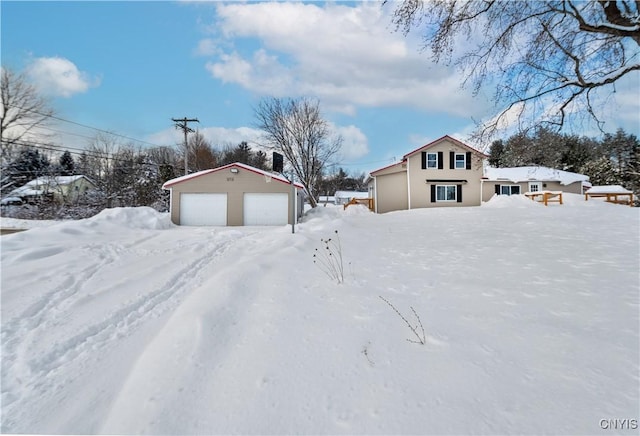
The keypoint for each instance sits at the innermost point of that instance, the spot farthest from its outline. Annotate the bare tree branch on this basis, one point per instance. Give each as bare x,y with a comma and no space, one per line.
22,109
536,55
296,129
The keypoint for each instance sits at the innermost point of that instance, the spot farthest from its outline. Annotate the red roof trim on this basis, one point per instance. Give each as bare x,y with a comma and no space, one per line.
277,177
388,166
445,137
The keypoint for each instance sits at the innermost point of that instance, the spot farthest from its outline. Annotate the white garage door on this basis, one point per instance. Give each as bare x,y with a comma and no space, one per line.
203,209
266,209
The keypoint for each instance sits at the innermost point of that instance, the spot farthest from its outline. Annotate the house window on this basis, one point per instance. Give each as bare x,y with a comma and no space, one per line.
432,160
461,161
509,190
535,186
446,192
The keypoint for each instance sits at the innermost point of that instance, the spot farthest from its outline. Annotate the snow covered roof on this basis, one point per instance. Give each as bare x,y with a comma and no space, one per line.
33,187
351,194
55,180
169,183
608,189
533,173
10,200
26,191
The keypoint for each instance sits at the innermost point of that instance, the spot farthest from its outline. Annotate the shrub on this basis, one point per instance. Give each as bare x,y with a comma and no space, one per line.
329,258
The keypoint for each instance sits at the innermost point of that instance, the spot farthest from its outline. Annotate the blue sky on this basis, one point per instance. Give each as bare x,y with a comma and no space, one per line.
129,67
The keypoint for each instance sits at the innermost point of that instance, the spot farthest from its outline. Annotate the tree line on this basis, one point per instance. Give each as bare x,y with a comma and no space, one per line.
126,175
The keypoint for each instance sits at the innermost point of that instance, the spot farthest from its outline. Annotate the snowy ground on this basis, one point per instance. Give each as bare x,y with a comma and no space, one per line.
123,323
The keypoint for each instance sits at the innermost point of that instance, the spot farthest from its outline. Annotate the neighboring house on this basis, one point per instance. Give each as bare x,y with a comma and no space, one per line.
323,199
63,189
233,195
445,172
343,197
513,181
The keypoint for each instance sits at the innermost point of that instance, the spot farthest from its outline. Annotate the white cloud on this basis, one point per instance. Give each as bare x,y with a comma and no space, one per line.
206,47
59,77
346,56
354,142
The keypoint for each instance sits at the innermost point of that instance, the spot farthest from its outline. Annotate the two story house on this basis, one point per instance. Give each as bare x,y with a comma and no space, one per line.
443,173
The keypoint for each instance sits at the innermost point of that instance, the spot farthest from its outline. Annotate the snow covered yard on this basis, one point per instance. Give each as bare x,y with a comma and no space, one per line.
123,323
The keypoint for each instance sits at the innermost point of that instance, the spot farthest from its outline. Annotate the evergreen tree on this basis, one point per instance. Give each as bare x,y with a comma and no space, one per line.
496,152
259,160
66,164
602,171
28,165
576,152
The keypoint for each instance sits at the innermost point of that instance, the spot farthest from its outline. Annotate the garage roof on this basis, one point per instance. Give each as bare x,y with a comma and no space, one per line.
169,183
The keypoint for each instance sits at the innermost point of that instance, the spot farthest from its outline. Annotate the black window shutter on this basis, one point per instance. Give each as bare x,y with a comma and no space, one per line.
440,160
468,160
497,189
424,160
452,160
459,193
433,193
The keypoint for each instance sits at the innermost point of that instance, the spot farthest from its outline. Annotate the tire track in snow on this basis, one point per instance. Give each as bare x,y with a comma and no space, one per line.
23,329
22,374
142,405
36,315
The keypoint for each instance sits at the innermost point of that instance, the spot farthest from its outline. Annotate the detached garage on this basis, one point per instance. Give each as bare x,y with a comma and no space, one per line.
233,195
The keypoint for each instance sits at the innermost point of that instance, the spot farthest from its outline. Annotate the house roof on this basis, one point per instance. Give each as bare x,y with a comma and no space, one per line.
32,188
533,173
351,194
384,168
169,183
431,144
445,138
56,180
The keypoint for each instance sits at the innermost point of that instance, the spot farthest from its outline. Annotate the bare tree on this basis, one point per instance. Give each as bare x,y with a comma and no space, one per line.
296,129
202,156
22,109
545,59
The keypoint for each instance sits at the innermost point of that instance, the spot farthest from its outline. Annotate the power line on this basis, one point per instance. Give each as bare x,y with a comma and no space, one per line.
96,154
89,127
65,132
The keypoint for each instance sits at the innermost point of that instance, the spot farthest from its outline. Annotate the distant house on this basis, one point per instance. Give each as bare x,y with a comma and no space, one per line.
343,197
443,173
63,189
234,195
518,180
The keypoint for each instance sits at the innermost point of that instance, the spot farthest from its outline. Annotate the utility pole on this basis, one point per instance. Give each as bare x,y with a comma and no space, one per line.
181,123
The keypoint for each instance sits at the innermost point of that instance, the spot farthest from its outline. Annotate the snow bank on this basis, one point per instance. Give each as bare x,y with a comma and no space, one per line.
132,218
510,201
16,223
124,217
